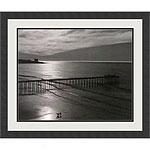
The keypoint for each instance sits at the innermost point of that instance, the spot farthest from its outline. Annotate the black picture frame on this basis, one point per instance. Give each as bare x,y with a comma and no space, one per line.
4,16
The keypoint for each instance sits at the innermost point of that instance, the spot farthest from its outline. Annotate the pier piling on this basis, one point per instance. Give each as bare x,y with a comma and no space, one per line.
30,87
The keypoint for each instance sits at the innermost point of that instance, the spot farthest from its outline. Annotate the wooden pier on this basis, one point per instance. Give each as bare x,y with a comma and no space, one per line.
31,87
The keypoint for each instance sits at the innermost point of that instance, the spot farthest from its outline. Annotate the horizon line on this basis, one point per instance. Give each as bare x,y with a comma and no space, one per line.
86,61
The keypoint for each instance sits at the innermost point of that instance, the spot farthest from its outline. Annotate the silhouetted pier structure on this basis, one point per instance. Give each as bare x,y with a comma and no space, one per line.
30,87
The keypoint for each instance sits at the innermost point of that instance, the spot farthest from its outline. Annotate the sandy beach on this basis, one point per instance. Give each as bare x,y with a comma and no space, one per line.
73,104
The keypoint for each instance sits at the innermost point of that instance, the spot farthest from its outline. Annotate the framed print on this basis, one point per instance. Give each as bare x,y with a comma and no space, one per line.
74,74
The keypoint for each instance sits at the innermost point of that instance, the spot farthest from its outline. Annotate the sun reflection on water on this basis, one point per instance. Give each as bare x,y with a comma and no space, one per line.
51,69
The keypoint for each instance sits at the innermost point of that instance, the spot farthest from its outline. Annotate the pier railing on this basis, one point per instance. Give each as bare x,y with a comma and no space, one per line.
31,87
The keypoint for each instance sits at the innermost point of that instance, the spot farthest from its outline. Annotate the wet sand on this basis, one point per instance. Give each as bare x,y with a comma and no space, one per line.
100,104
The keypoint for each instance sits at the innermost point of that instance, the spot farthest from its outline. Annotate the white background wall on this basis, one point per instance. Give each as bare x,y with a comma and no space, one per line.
74,5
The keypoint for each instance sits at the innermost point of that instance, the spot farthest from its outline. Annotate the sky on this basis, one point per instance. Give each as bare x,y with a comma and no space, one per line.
51,41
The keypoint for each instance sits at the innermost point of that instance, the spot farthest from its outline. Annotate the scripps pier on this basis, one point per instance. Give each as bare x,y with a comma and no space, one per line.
29,87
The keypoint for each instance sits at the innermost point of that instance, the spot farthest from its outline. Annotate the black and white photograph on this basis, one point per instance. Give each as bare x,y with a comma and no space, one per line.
75,74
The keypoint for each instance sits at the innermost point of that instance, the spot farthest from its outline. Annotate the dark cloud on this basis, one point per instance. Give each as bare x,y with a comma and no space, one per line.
51,41
23,35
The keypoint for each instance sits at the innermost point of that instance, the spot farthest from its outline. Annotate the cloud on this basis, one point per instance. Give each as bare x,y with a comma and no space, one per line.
51,41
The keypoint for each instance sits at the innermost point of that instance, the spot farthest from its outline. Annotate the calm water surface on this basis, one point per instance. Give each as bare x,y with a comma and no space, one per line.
60,69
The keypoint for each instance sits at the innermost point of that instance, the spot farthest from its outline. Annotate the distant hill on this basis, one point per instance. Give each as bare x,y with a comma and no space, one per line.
26,56
114,52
